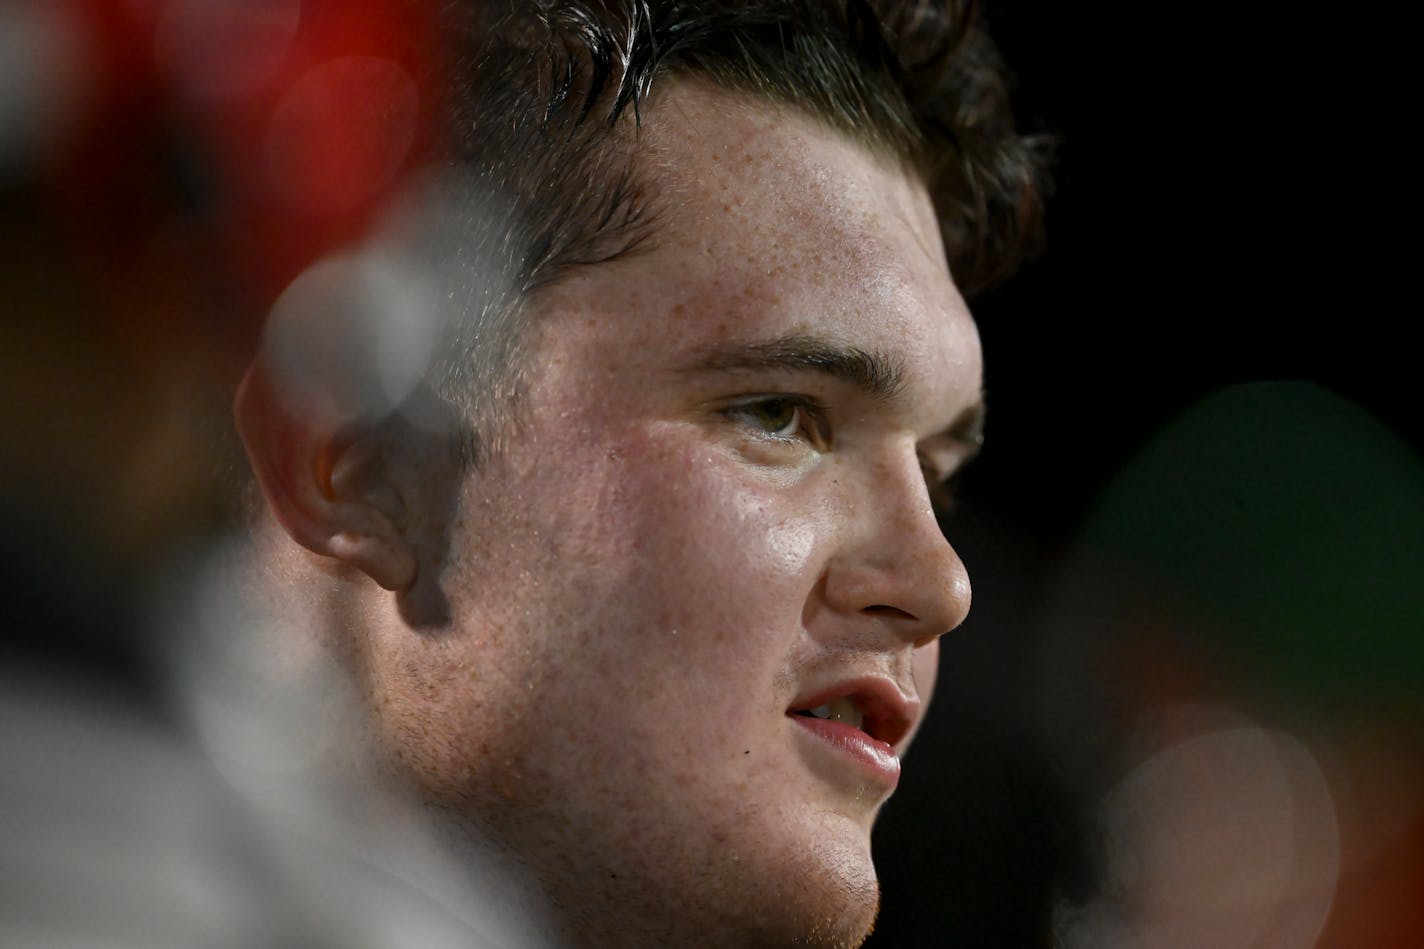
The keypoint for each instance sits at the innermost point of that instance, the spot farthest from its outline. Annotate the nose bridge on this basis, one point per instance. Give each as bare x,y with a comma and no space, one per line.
894,560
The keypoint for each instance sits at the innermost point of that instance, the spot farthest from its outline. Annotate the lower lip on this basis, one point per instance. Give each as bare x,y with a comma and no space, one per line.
873,757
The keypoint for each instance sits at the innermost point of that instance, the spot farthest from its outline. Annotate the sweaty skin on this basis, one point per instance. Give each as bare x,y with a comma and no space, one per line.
692,531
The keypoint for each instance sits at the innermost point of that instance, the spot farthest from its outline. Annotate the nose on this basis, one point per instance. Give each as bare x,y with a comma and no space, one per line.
895,563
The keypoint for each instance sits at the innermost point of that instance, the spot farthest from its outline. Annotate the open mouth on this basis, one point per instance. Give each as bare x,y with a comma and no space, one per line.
880,713
840,710
859,721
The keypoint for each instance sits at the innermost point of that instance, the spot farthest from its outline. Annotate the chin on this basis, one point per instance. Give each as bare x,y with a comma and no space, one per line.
819,891
847,930
827,897
840,922
841,910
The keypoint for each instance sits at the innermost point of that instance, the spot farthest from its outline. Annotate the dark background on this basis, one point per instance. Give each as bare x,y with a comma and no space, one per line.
1231,198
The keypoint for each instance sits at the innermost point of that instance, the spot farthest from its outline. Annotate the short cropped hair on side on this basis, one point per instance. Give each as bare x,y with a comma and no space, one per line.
544,100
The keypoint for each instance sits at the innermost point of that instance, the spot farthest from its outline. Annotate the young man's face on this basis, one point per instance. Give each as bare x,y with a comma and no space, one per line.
713,516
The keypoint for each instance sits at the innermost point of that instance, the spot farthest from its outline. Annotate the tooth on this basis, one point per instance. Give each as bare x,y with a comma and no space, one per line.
844,710
838,710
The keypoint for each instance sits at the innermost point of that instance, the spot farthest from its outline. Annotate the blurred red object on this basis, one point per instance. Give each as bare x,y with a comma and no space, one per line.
221,146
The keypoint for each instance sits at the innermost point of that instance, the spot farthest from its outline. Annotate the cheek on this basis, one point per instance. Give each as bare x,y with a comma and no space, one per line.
721,563
791,546
714,531
924,666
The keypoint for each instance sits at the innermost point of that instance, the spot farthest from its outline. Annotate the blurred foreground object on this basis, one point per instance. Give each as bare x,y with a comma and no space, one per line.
166,166
1240,636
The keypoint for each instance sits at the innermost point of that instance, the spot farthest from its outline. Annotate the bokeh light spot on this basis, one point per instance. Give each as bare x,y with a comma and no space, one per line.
354,334
1228,838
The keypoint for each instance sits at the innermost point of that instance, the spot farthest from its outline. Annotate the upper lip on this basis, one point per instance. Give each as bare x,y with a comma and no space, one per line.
888,712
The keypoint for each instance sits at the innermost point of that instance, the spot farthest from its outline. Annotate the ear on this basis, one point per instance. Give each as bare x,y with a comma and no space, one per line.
329,481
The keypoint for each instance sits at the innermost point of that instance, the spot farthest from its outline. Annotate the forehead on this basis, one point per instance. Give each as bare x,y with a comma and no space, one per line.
771,225
745,165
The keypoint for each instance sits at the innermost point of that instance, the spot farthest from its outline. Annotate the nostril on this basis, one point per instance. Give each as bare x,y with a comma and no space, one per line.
881,609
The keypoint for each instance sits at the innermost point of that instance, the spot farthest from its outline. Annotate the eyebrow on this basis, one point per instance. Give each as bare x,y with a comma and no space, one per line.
879,375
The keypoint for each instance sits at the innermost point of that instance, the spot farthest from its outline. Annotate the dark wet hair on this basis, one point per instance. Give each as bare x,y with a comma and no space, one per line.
544,99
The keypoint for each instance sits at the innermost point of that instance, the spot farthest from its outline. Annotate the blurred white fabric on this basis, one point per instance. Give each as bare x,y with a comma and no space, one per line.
226,826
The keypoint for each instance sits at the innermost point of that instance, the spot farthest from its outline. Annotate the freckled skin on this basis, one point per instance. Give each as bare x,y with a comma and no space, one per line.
640,589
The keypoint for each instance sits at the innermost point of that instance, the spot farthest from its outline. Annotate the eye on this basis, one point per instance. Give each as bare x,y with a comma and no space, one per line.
941,488
784,417
780,417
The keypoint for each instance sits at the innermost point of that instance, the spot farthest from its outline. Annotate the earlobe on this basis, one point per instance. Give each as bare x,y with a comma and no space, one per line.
326,482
